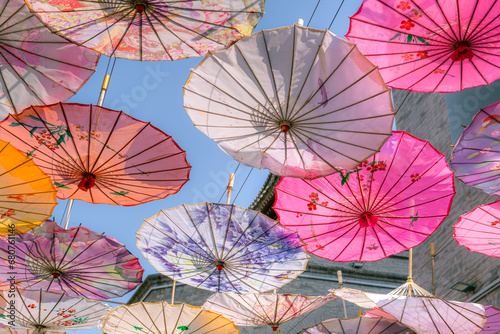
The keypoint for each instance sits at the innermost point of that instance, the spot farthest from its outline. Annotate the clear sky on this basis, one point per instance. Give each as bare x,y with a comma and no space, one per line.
152,92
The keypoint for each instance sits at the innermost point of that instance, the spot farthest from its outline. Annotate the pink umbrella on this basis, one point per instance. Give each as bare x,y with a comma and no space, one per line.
492,325
476,156
479,230
430,46
390,203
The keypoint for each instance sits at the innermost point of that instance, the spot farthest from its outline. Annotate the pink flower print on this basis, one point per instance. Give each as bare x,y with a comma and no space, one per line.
438,71
372,247
325,203
404,6
485,150
407,24
415,177
416,14
495,133
299,214
407,57
422,54
495,166
311,206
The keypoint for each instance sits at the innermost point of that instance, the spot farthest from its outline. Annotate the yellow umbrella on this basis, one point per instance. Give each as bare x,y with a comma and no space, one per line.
27,196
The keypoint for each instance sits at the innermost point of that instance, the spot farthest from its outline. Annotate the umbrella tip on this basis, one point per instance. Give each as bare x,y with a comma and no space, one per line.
285,126
55,275
220,265
140,8
275,328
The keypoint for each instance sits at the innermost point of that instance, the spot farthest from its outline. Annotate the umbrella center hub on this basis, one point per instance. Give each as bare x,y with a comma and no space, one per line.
285,126
140,8
462,51
220,265
367,219
87,182
56,274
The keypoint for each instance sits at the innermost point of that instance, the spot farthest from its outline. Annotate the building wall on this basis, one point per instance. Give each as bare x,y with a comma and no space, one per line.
426,116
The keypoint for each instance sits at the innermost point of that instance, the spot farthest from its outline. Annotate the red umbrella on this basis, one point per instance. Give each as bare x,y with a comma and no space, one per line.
98,155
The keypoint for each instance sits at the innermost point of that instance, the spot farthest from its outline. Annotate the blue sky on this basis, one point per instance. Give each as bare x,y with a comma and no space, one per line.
152,92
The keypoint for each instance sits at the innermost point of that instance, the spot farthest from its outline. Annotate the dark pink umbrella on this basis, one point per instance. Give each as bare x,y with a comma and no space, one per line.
430,45
479,230
390,203
492,325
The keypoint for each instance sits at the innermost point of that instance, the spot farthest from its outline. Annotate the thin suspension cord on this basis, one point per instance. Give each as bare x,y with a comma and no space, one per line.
404,100
314,12
250,172
338,10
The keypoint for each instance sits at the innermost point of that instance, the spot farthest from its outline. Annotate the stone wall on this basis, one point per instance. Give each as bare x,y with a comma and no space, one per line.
425,116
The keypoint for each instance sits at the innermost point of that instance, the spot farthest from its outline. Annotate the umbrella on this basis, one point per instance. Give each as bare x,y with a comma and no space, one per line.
263,309
388,204
98,155
428,46
222,248
298,101
49,311
420,310
150,29
492,325
361,325
37,67
476,156
163,318
12,330
27,195
479,229
77,261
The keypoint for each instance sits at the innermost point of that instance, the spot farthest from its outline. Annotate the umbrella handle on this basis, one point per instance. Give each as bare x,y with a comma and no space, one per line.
433,255
173,293
230,188
68,213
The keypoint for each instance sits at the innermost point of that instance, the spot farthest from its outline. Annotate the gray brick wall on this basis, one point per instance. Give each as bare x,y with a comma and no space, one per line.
425,116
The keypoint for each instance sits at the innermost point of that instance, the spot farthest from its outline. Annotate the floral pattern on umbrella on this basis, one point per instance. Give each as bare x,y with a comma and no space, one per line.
36,66
388,204
476,156
163,318
98,155
50,311
150,29
263,309
77,261
430,46
222,248
298,101
27,196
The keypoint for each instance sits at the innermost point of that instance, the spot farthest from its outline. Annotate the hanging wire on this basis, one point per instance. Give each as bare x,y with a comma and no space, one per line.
63,215
314,12
338,10
404,100
250,172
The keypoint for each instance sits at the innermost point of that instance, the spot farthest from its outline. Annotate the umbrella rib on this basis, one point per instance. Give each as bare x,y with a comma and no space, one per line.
380,243
447,21
292,72
105,144
402,228
158,36
356,209
475,34
430,316
70,282
242,280
447,37
385,211
438,55
7,19
70,135
282,116
9,97
191,220
228,254
212,230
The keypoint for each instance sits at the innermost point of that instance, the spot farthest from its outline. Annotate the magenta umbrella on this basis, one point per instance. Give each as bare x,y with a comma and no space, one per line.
476,156
492,325
479,230
430,45
390,203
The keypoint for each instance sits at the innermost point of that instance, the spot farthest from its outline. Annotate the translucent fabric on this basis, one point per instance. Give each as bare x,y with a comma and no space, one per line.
222,248
27,196
163,318
150,29
77,261
50,311
476,156
430,45
262,309
391,202
298,101
12,330
98,155
36,66
360,325
420,310
479,230
492,325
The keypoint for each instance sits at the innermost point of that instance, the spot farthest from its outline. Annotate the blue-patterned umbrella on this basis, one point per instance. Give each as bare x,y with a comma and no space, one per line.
222,248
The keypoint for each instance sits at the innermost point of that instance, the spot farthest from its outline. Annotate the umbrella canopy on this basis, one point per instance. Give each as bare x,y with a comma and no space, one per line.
150,29
476,156
298,101
430,46
420,310
36,66
492,325
49,311
27,196
163,318
76,261
479,229
222,248
98,155
262,309
390,203
12,330
361,325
